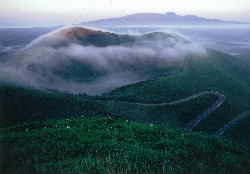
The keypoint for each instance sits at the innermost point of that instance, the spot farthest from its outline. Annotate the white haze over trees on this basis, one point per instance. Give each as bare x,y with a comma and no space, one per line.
84,68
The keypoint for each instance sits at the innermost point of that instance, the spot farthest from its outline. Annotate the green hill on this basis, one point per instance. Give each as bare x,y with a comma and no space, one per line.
106,144
239,132
22,104
217,72
79,60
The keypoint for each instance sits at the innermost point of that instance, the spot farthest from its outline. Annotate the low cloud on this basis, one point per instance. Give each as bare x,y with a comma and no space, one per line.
9,49
77,68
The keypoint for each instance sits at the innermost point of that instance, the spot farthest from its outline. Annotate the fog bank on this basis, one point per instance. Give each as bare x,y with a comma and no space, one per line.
79,68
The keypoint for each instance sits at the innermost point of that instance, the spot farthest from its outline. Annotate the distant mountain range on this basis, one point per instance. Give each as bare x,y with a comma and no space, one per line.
169,18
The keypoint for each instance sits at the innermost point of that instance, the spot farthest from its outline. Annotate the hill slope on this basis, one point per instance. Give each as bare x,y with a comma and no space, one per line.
22,104
218,72
112,145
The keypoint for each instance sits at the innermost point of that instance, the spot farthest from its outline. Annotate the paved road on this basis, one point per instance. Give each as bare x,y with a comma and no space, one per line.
210,109
198,118
231,123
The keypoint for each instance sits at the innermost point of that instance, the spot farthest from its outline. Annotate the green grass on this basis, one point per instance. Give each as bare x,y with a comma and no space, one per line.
106,144
239,132
19,104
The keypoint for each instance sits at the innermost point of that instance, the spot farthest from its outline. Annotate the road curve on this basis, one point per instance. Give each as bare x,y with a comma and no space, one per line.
231,123
195,121
210,109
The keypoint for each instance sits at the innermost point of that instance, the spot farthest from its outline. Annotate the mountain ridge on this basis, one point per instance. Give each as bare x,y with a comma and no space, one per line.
169,18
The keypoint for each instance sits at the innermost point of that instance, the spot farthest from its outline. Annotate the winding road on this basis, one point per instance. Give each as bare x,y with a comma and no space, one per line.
231,123
195,121
210,109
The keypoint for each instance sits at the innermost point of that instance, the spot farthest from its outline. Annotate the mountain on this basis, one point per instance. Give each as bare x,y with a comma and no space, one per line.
169,18
80,60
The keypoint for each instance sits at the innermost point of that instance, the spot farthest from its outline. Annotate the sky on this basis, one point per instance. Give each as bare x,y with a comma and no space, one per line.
31,13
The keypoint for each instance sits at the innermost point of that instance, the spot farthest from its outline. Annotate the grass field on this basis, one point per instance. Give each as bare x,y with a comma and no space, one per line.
107,144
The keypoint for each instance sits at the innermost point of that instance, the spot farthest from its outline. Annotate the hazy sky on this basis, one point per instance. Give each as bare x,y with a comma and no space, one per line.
27,13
